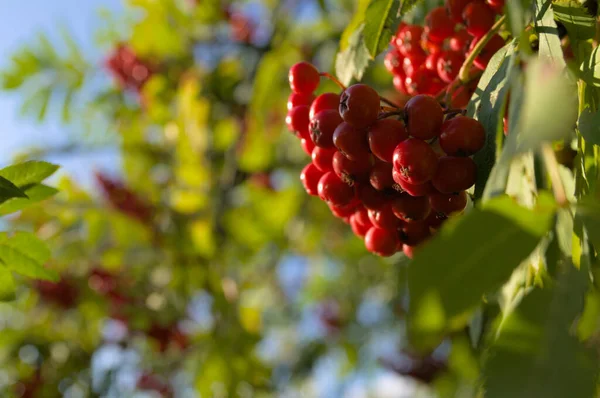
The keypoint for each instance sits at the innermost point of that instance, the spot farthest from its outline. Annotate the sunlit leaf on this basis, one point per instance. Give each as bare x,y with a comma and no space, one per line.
25,254
381,19
31,172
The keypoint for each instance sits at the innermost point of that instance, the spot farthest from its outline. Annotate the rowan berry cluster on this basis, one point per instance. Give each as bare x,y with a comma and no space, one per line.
425,60
393,174
128,69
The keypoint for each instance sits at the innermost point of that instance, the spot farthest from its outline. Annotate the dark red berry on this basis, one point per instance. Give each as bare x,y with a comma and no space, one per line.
460,40
448,203
310,177
351,171
393,61
435,84
414,232
307,145
454,174
415,160
491,48
435,219
384,218
438,25
411,189
371,198
322,158
359,105
360,229
411,208
381,176
456,9
408,39
352,142
297,121
322,127
478,17
324,102
412,63
462,136
384,135
304,78
343,211
296,99
381,242
424,117
449,65
334,191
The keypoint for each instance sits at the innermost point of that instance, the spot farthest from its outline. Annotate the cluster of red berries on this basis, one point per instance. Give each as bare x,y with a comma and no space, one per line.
425,60
124,199
393,175
128,69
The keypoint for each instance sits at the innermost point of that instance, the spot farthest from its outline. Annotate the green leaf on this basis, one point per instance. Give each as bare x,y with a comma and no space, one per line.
468,258
549,42
8,190
26,173
407,6
588,212
35,193
590,68
355,24
25,254
579,23
7,284
381,19
589,126
352,62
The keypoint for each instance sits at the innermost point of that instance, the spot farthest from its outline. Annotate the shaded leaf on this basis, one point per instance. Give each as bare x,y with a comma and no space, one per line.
352,62
35,193
590,68
381,19
9,190
7,284
589,126
588,212
549,42
579,23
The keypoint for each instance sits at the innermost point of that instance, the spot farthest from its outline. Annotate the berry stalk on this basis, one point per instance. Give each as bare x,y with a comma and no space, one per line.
333,79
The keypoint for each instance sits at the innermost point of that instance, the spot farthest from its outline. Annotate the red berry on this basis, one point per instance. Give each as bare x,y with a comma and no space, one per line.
454,174
412,63
297,121
399,85
448,203
411,208
449,65
478,18
393,61
307,145
343,211
414,232
384,218
424,117
430,45
415,160
352,142
438,24
384,135
460,40
491,48
435,84
296,99
496,5
408,251
381,176
411,189
371,198
431,61
304,78
408,39
322,127
362,216
461,96
358,227
417,84
456,8
381,242
359,105
334,191
324,102
351,171
322,158
310,177
462,136
435,219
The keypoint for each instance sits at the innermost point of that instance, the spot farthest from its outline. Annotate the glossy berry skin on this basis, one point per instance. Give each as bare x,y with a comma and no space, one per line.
310,177
359,105
448,203
408,39
304,78
449,65
460,41
462,136
323,102
415,161
496,5
358,227
411,208
334,191
399,85
307,145
384,218
352,142
362,215
297,121
415,232
322,158
384,135
491,48
431,61
322,127
351,171
296,99
424,116
438,25
454,174
456,9
371,198
409,251
393,61
343,211
478,18
412,63
381,242
411,189
381,176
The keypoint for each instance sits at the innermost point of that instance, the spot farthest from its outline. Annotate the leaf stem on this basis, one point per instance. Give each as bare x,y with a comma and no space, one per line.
463,74
551,164
333,79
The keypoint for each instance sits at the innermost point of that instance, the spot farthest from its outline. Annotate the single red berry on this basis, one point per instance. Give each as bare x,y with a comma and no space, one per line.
322,158
438,24
415,160
304,78
424,117
411,189
431,61
322,127
454,174
408,39
460,40
496,5
456,9
491,48
334,191
384,135
324,102
399,85
351,171
384,218
431,46
411,208
344,211
296,99
435,85
307,145
352,142
360,229
447,204
435,220
362,215
478,17
414,232
412,63
461,96
359,105
310,177
449,65
393,61
381,242
409,251
419,83
297,121
371,198
462,136
381,176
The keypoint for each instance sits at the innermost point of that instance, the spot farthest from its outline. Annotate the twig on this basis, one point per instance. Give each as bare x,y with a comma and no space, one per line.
387,101
551,164
463,74
384,115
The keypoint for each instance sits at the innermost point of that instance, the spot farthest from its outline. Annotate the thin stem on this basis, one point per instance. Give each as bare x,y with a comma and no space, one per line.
551,164
389,109
387,101
463,75
454,111
384,115
333,79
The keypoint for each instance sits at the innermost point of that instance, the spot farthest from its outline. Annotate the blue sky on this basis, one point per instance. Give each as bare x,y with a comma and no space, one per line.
20,22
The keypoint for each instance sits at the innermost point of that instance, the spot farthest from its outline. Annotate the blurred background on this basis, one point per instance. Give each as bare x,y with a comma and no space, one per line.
192,262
